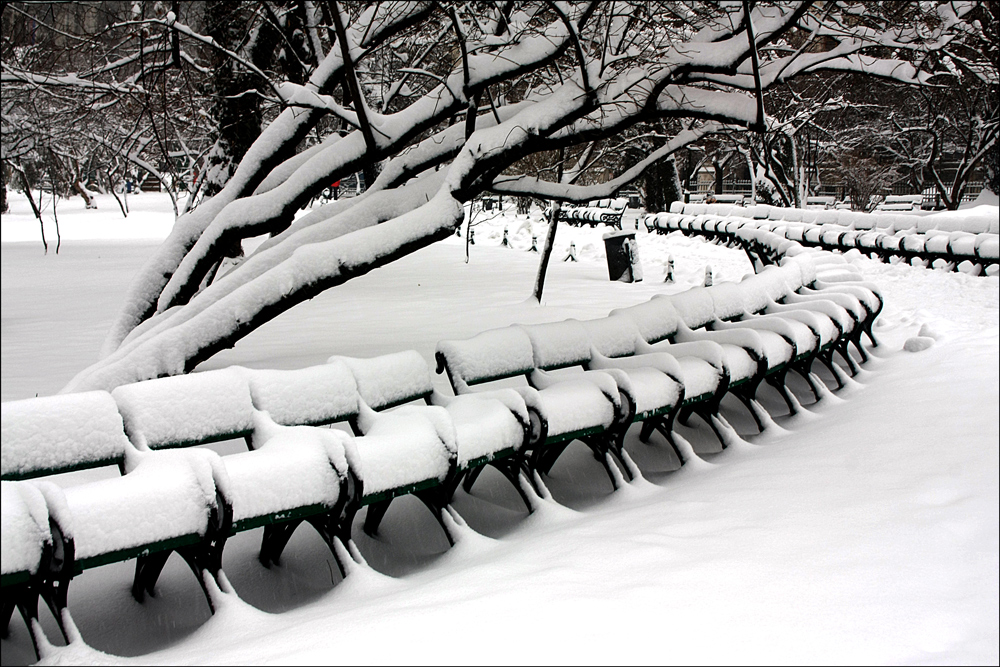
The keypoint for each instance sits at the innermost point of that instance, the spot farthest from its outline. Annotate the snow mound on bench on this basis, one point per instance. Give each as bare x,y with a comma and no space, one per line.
164,496
60,432
390,379
25,522
295,467
316,395
493,354
187,409
400,448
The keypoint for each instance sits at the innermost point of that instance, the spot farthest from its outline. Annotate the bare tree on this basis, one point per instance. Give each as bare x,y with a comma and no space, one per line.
440,101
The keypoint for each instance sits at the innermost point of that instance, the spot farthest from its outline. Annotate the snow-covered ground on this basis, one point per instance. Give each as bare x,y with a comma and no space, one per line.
864,530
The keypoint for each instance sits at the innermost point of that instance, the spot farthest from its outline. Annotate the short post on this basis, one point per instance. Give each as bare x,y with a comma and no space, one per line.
571,257
708,276
669,278
505,243
472,236
534,244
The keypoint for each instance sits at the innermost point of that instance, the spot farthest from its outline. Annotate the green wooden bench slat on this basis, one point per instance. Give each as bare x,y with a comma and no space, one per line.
698,399
483,460
574,435
277,517
122,555
368,499
14,578
45,472
217,437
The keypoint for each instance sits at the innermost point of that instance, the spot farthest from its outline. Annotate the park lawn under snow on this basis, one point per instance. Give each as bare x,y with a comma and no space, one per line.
863,530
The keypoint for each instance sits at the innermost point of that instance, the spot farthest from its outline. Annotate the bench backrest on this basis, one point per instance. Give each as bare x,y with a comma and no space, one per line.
694,306
391,379
729,300
904,199
655,319
187,410
311,396
558,344
54,434
612,336
491,355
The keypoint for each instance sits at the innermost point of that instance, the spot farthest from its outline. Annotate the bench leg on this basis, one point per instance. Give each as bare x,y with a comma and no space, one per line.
706,416
436,499
601,447
23,597
276,536
803,368
859,330
328,527
845,352
376,512
548,456
509,467
345,523
470,478
777,380
147,571
202,558
746,394
55,592
826,358
664,426
7,612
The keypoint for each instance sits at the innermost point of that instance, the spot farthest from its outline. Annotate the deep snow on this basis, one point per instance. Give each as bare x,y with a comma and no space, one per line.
863,530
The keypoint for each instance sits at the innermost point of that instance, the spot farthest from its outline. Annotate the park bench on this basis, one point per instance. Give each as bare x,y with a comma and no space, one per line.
732,199
683,318
399,456
288,475
560,410
160,503
901,203
651,388
819,202
882,235
30,554
603,211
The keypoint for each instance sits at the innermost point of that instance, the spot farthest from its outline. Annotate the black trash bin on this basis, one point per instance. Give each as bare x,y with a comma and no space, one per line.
623,257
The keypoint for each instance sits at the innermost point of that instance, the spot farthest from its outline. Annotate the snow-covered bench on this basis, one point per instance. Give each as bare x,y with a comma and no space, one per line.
901,203
652,389
822,203
675,324
162,502
292,474
426,450
604,211
885,236
560,411
29,551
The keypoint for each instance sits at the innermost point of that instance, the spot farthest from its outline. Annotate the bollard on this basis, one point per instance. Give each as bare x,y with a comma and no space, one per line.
669,278
708,276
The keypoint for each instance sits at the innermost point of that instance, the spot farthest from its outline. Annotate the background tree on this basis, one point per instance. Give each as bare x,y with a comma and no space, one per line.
440,101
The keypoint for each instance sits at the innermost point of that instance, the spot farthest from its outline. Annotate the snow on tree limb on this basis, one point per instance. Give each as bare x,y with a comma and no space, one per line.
412,81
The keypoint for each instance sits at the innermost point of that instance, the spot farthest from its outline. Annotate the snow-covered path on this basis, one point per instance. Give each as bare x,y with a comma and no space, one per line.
864,530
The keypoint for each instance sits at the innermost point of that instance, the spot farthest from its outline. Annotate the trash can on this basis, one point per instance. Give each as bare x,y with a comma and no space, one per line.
623,256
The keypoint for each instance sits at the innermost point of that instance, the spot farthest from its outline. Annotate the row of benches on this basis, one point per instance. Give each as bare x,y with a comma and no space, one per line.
669,358
980,251
599,212
975,222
